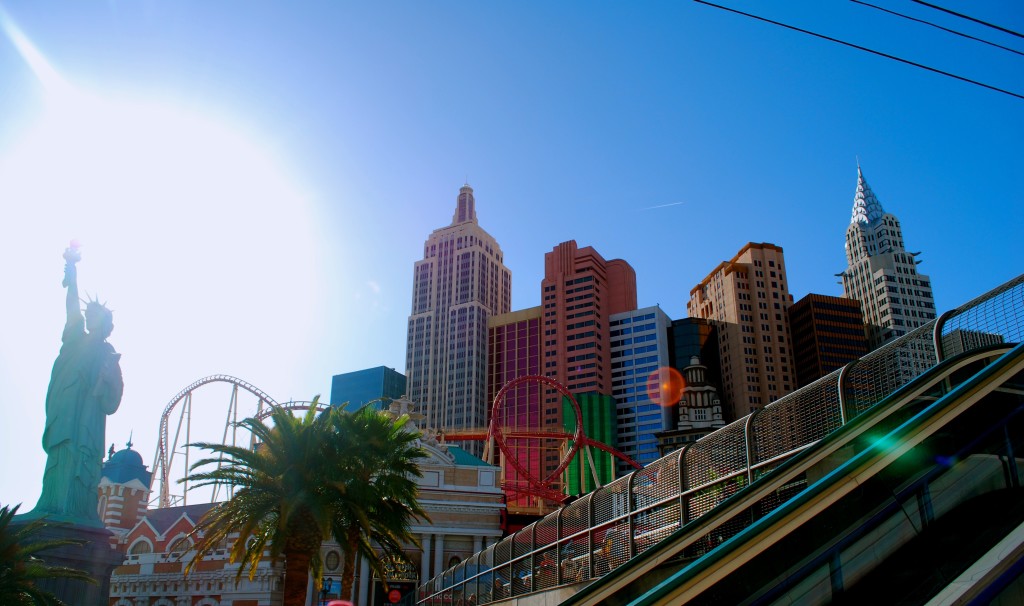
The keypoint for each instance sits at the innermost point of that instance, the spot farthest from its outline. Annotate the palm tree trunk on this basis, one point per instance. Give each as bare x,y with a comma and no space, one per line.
348,572
296,577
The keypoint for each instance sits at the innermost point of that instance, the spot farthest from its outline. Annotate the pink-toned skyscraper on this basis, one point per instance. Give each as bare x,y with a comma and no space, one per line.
580,291
459,284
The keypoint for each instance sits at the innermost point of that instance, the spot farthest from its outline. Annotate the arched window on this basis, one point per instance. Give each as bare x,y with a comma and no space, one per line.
140,547
180,545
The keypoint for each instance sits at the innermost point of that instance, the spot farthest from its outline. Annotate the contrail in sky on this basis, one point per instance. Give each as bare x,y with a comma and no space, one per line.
662,206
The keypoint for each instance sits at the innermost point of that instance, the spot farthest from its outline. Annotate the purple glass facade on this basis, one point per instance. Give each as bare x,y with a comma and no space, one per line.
514,350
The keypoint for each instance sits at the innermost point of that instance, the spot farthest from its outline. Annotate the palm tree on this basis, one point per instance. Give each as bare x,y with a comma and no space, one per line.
380,493
20,568
299,488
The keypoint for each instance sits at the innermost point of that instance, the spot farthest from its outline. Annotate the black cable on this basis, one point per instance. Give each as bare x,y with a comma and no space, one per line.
962,16
945,29
863,48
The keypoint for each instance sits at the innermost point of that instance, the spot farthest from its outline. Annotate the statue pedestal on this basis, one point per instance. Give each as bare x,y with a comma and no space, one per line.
96,557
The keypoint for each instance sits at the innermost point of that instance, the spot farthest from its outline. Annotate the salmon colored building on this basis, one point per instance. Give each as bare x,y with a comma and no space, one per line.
580,291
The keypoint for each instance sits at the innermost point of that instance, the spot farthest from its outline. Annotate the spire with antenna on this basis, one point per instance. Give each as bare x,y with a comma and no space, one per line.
465,209
866,207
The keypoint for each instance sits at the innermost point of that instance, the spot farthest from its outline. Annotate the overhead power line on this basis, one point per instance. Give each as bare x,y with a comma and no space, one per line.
945,29
963,16
865,49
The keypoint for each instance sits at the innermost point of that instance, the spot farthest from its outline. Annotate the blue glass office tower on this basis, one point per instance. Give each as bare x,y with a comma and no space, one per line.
361,387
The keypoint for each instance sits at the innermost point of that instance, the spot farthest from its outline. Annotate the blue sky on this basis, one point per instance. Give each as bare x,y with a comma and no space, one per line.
252,182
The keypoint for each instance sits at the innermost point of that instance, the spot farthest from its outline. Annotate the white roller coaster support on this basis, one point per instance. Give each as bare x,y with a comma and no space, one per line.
188,441
165,450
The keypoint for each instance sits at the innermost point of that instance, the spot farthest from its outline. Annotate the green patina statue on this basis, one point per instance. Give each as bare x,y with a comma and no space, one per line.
85,386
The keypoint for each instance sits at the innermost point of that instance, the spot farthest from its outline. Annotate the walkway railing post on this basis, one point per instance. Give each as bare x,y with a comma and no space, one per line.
684,486
631,514
841,389
748,439
940,355
590,534
558,547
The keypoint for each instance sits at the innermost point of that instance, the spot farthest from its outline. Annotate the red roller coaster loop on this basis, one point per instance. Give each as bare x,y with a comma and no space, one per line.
578,439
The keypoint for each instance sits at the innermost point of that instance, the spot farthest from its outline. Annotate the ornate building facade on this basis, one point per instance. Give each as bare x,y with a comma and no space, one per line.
460,493
699,410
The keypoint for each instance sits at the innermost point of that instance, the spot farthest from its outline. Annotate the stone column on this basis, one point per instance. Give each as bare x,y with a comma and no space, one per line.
425,561
439,563
478,542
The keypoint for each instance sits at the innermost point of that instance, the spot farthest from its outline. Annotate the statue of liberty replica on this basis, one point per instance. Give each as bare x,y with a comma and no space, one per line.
85,387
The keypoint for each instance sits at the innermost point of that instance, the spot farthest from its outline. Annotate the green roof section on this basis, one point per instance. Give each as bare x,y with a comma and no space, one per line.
463,457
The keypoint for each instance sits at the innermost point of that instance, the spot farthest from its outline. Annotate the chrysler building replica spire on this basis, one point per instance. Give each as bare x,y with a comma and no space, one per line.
881,274
458,285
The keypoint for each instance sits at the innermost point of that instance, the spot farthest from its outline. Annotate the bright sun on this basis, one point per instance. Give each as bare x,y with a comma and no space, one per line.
191,229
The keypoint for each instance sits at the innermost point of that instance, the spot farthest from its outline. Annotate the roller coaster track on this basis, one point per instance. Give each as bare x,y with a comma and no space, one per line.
166,450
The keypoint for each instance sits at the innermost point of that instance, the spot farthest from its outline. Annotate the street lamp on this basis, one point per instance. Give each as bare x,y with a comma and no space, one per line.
325,588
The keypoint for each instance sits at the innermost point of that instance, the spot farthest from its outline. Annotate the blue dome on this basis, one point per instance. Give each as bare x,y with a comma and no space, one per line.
127,457
126,465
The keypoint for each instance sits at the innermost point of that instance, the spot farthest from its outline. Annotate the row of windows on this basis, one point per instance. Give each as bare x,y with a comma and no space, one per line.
629,330
628,320
625,363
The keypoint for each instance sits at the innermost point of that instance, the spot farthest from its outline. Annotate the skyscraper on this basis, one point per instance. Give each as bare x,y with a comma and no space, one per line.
640,377
746,300
459,284
881,274
828,333
579,293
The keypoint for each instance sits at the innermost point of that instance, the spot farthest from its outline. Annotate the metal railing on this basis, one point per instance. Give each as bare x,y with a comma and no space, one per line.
601,530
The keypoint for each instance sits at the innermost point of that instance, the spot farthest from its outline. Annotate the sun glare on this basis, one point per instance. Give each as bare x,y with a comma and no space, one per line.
191,228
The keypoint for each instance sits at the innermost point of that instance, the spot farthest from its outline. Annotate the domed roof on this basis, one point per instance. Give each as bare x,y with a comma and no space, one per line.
126,457
126,465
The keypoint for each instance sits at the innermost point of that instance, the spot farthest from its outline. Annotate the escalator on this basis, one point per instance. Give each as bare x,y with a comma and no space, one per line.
687,546
876,528
942,552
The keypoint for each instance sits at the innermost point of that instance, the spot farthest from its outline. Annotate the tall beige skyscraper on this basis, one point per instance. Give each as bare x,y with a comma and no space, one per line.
881,274
746,298
459,284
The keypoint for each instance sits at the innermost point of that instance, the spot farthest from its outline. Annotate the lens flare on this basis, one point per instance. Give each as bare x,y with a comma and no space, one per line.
665,386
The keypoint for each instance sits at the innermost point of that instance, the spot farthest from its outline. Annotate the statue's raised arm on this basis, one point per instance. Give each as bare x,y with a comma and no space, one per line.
71,257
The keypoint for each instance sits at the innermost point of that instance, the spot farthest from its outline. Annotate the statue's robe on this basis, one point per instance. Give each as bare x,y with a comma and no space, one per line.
85,387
